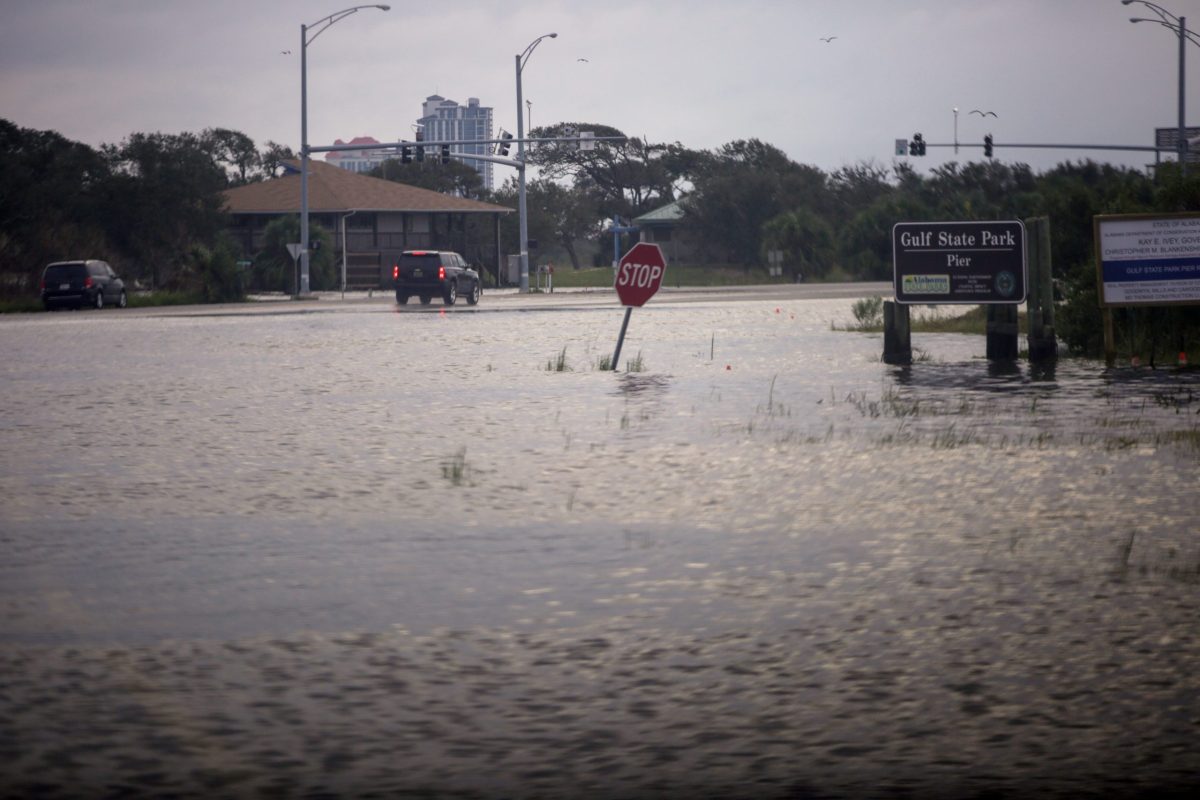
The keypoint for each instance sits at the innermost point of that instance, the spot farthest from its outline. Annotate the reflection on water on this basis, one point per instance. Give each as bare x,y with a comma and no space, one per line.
632,384
325,552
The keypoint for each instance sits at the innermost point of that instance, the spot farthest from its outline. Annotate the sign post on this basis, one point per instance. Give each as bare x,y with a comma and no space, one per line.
296,250
639,275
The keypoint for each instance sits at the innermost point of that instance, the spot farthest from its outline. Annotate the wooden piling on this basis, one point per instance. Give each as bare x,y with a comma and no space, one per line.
897,335
1002,332
1043,345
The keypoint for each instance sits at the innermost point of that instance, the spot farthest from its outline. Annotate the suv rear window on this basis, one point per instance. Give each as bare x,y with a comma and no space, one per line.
64,273
419,260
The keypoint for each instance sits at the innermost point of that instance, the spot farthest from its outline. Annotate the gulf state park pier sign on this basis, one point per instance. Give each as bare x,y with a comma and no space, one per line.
959,262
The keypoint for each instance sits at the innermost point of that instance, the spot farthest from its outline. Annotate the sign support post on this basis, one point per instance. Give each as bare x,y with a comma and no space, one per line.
897,334
621,338
296,250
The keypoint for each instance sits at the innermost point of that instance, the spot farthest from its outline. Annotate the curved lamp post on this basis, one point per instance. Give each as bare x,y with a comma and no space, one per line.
524,222
317,29
1177,24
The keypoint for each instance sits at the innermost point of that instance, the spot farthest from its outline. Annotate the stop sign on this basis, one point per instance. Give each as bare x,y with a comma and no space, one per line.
639,274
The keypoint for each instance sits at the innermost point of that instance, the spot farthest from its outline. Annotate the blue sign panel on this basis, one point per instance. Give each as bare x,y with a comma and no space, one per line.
1144,259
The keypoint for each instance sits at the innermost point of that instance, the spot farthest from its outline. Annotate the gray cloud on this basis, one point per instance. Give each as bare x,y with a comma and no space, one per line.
701,73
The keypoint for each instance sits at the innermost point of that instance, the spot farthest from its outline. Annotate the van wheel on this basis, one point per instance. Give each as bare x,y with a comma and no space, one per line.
99,301
123,300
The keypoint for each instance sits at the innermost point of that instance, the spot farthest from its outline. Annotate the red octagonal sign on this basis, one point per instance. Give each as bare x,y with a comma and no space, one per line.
639,274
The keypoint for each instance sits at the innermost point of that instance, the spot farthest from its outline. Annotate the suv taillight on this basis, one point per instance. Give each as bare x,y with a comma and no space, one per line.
87,282
441,273
395,272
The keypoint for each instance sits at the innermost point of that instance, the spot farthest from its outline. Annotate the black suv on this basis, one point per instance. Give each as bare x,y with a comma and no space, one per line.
79,283
426,273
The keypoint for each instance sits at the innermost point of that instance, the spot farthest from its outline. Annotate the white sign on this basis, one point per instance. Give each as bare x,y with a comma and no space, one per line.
295,249
775,260
1148,260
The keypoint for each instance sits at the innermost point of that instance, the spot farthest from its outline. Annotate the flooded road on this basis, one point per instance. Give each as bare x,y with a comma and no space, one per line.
365,549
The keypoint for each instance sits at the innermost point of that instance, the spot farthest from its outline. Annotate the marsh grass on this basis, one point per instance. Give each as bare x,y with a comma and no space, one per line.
868,316
559,363
1156,562
636,364
868,313
774,408
1004,423
456,469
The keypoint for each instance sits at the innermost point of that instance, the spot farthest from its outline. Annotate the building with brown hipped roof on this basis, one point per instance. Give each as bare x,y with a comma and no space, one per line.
375,218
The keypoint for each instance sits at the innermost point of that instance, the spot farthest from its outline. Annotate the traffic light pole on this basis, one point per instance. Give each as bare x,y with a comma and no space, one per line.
1129,147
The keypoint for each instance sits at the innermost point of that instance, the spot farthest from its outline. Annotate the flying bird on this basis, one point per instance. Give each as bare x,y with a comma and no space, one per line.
984,113
285,52
827,39
583,59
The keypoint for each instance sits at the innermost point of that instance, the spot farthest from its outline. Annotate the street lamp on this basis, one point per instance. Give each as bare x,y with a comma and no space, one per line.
1177,24
524,244
318,28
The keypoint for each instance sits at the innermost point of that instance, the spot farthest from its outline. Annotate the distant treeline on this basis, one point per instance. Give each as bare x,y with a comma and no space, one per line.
151,205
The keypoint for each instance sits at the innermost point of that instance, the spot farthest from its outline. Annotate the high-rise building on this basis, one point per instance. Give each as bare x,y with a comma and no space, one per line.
445,120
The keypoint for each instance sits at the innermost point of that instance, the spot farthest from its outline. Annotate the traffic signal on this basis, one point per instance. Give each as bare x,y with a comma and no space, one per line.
405,155
505,136
917,147
420,152
445,154
987,145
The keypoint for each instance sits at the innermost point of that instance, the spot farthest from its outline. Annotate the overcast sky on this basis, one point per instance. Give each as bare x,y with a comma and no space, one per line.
700,72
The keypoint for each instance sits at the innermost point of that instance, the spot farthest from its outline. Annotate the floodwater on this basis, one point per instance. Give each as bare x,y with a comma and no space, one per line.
379,551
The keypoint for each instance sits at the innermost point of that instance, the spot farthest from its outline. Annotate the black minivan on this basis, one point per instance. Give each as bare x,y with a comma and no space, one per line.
79,283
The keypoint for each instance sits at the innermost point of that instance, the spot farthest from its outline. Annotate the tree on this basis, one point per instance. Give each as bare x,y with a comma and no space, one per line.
275,270
864,244
51,191
163,196
628,178
805,239
455,178
855,187
271,159
742,186
559,217
233,152
566,215
213,274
